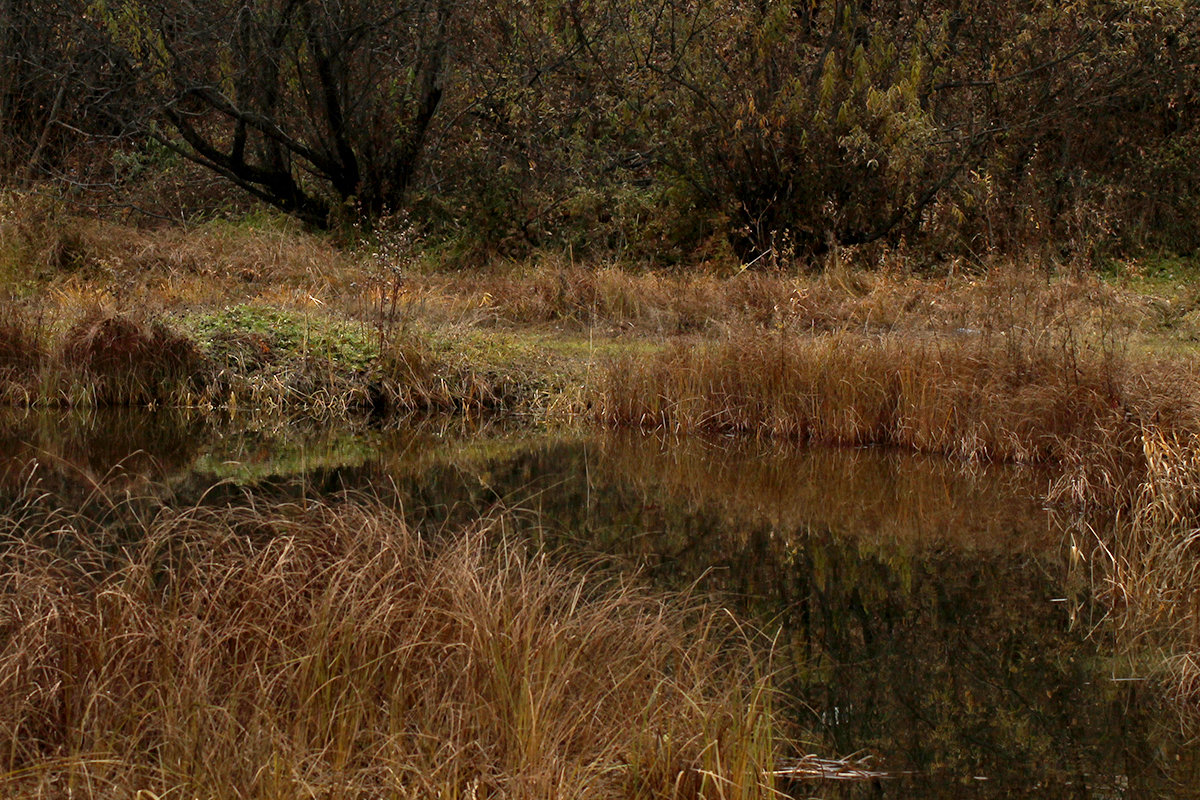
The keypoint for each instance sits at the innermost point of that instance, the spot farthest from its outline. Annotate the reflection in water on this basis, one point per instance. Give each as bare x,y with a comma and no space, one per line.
94,445
925,615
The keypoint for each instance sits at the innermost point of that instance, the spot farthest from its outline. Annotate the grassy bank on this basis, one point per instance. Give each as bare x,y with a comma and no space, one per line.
264,316
330,651
275,360
1006,363
1091,374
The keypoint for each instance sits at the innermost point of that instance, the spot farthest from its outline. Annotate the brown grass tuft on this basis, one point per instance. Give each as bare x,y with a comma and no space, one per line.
37,238
21,352
329,651
126,360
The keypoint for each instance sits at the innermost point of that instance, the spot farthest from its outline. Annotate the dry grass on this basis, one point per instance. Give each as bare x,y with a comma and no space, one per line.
1122,432
21,352
125,360
960,397
1149,557
99,359
614,299
273,361
1007,365
328,651
269,261
172,266
36,239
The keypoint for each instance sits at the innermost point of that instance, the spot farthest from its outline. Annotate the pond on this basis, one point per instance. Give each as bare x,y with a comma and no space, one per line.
931,620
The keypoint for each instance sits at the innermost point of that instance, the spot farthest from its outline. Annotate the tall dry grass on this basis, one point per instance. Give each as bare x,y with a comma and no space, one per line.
1147,551
128,360
1121,431
22,350
964,397
604,297
328,650
100,358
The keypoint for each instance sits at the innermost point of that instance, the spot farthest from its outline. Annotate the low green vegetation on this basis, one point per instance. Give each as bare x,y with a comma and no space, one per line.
242,332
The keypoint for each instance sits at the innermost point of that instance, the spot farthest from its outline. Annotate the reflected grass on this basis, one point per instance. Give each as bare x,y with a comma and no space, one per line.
870,494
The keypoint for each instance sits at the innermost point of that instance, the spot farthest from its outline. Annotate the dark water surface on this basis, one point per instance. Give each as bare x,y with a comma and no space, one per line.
929,616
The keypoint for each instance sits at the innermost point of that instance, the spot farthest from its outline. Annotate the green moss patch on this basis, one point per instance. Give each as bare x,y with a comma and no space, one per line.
256,335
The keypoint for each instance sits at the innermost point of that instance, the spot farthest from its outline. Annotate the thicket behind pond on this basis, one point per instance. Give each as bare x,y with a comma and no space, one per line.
663,131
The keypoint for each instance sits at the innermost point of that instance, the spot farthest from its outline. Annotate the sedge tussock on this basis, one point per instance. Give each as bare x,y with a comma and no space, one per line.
331,651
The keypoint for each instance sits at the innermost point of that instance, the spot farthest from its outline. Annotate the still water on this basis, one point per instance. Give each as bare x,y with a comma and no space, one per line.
927,617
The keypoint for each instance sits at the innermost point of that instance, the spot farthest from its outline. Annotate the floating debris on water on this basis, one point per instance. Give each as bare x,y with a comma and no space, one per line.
813,767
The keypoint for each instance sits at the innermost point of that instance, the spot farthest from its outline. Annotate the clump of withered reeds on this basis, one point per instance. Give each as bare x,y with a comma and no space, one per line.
1149,558
960,396
329,650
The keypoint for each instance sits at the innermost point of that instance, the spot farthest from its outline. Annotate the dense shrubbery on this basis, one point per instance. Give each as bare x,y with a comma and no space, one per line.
666,130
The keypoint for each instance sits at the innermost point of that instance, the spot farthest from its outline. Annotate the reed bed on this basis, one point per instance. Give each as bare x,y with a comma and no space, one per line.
965,397
21,352
328,650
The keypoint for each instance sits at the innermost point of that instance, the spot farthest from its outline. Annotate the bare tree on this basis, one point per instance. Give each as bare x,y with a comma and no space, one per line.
306,104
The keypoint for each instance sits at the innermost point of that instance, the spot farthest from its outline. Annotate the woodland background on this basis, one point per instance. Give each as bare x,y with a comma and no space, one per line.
650,131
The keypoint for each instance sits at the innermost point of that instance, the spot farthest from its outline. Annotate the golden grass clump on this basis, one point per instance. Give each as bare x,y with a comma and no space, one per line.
963,397
1150,557
314,650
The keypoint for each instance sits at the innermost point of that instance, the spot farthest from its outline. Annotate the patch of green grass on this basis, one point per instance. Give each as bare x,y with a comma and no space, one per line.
275,331
1167,274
